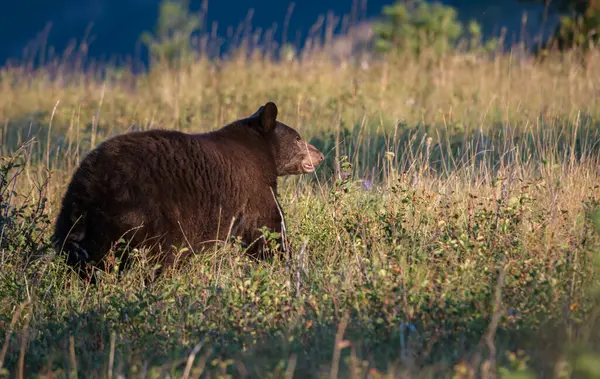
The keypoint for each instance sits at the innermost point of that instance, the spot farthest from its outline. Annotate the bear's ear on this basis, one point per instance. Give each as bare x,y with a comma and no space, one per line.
267,116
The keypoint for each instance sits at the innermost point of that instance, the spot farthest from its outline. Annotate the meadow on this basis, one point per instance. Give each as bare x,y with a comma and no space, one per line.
451,232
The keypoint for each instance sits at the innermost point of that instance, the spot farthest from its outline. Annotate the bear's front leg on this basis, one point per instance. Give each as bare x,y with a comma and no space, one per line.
264,245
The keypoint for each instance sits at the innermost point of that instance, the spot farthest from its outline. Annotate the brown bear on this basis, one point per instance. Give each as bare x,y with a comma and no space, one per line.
160,189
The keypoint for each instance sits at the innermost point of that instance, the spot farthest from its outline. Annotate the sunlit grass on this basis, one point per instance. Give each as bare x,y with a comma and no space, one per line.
439,179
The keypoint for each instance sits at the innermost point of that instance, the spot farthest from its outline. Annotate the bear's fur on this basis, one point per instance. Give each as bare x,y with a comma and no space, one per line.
157,189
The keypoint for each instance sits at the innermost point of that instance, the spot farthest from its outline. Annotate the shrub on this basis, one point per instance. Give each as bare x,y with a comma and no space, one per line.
424,26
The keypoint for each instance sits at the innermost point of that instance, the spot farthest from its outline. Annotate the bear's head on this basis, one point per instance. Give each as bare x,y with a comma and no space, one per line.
293,155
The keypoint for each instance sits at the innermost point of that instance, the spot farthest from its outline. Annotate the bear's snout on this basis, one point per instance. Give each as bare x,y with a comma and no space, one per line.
312,160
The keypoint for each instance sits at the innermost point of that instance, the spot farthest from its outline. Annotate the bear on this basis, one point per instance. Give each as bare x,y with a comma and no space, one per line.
159,189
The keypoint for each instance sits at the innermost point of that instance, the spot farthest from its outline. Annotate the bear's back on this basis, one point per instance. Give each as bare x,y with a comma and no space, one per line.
165,186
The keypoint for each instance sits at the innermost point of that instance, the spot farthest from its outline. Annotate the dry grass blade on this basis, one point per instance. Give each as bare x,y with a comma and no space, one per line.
24,342
10,330
339,345
72,357
488,369
111,358
190,360
291,366
199,369
300,267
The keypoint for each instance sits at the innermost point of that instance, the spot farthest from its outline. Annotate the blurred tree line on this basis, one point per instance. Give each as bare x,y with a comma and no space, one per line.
406,27
579,26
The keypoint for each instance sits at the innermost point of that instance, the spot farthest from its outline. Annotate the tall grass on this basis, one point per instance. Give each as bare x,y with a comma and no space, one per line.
450,232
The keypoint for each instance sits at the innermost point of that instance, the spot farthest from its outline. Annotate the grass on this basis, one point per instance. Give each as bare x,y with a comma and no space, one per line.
451,231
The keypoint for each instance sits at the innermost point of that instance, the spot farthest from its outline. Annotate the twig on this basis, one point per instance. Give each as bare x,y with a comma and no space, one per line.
50,135
21,368
111,357
201,364
72,356
300,266
490,334
10,330
284,242
144,373
291,367
338,347
96,118
190,360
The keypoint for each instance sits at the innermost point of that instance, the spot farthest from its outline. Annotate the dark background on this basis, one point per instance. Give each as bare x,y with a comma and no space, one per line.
117,24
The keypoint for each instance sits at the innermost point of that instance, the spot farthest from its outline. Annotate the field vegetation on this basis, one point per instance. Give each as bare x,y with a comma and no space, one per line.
453,230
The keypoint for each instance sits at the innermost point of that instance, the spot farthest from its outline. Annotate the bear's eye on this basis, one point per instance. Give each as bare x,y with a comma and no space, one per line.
298,138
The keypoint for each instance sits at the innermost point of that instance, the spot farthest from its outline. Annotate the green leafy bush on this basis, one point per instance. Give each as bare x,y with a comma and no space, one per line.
171,43
579,23
24,222
423,26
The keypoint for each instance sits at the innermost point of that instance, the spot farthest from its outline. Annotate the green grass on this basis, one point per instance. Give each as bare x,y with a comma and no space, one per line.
452,227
